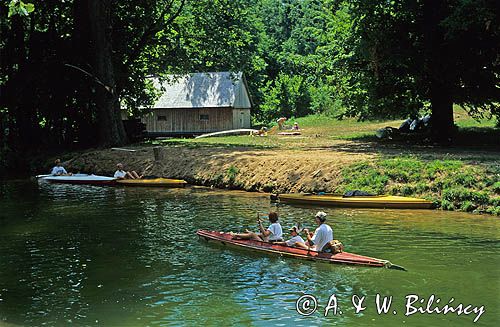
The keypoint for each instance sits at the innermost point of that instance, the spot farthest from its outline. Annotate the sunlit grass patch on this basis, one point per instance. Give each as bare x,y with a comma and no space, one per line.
451,184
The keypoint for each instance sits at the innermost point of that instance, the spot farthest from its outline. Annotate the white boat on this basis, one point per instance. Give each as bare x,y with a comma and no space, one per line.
80,179
242,131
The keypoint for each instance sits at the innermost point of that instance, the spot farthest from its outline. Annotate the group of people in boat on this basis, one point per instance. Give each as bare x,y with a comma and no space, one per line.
59,170
319,240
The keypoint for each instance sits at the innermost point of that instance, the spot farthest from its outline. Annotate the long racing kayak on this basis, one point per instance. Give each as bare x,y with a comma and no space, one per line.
155,182
282,250
376,201
80,179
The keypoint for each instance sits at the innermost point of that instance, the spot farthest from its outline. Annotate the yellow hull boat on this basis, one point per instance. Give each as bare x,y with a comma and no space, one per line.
153,182
377,201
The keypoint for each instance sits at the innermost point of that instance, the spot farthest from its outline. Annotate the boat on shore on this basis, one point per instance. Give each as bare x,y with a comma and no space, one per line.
153,182
80,179
375,201
241,131
344,258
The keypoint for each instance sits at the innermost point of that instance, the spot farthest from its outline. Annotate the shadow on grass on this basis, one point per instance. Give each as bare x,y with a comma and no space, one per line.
467,136
471,143
188,143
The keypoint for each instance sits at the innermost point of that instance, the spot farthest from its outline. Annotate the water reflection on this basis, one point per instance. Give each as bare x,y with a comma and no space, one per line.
130,257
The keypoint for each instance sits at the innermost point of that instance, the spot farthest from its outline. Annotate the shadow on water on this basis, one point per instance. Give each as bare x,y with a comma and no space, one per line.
130,257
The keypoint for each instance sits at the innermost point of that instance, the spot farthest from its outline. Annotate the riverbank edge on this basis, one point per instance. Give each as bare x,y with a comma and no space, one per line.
450,184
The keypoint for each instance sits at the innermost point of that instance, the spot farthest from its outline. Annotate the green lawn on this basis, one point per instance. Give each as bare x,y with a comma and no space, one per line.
463,120
319,131
462,177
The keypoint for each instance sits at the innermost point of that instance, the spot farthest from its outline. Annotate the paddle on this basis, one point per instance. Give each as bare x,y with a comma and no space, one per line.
396,267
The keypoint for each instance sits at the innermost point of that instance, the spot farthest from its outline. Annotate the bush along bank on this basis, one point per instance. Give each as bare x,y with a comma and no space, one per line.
450,184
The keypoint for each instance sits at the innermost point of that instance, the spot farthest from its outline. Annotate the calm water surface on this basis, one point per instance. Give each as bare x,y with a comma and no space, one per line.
103,256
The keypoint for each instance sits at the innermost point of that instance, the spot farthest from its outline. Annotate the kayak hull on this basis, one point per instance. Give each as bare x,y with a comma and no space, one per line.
155,182
344,258
380,201
81,179
241,131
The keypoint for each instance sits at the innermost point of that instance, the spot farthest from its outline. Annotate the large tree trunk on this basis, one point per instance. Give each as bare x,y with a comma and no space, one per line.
22,118
438,69
442,112
110,126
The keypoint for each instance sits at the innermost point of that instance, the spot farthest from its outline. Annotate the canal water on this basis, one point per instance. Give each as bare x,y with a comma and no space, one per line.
113,256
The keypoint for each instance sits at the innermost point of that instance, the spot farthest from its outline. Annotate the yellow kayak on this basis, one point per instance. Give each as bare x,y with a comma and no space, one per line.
377,201
156,182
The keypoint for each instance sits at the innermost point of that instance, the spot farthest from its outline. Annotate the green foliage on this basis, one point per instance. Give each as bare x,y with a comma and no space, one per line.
286,97
461,187
468,206
333,58
407,55
458,195
494,210
18,7
364,177
231,173
496,187
49,74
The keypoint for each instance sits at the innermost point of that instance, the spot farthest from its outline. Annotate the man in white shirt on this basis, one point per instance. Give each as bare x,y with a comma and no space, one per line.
322,235
122,174
59,170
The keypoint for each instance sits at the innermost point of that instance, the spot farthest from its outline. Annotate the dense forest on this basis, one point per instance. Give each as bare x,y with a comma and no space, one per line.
67,66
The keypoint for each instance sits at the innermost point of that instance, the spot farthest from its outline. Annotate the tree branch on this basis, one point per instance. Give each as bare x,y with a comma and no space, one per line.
153,29
95,78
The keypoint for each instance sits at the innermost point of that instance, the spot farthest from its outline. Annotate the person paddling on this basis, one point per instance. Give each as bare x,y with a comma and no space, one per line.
319,240
272,234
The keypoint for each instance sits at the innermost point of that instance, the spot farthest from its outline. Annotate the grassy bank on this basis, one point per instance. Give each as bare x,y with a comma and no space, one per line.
319,131
329,156
462,177
450,184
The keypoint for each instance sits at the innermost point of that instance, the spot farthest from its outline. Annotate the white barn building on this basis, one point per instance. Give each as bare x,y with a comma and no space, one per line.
199,103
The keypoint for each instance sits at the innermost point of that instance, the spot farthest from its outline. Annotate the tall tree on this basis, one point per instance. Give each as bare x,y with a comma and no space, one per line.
413,54
110,127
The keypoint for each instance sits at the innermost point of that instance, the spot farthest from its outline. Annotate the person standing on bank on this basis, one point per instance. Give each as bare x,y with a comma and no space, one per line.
321,237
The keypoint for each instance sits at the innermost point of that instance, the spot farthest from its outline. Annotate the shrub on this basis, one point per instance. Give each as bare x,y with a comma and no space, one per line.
468,206
496,187
494,210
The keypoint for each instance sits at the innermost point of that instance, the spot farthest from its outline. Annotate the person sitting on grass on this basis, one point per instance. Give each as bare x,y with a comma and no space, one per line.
296,240
122,174
59,170
272,234
261,132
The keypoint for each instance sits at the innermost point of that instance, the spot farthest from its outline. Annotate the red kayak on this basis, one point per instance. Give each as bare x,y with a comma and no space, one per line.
339,258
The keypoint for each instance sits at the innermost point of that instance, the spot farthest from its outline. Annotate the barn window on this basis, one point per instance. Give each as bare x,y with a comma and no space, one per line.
162,118
203,117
